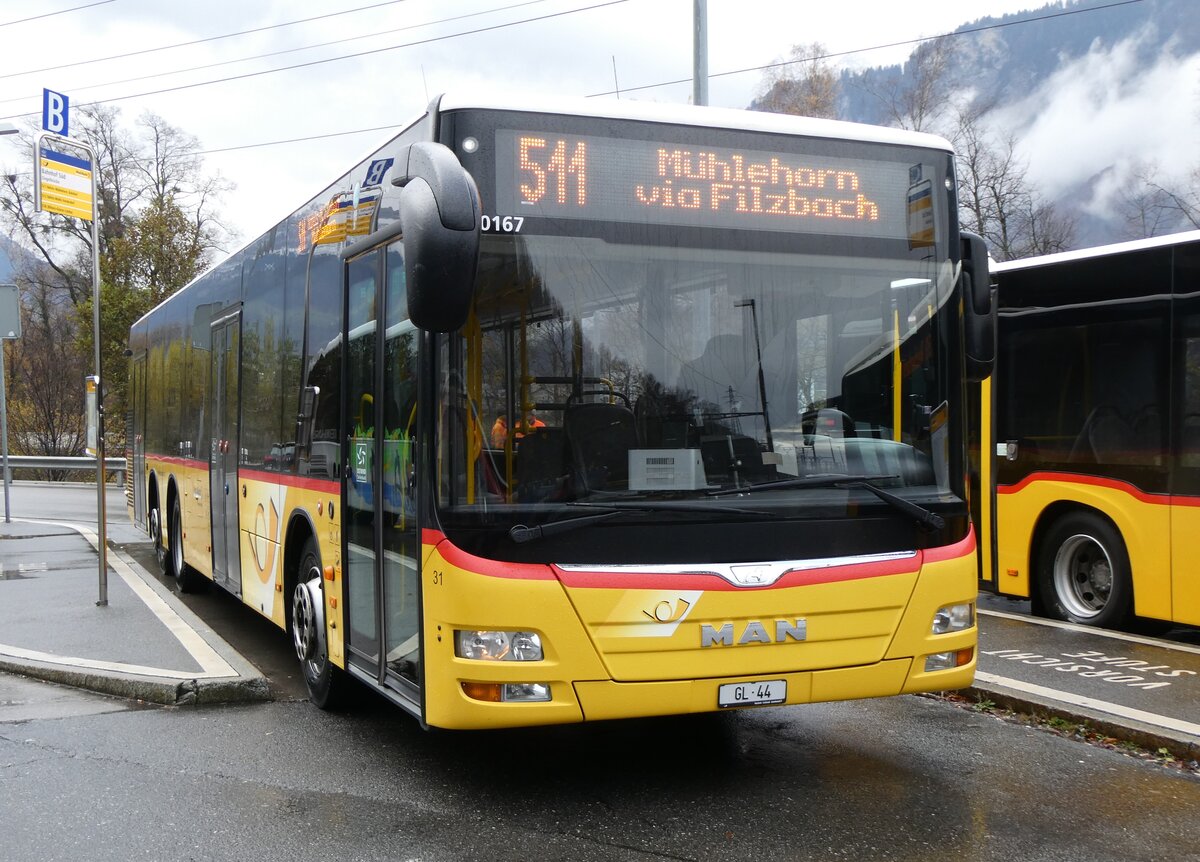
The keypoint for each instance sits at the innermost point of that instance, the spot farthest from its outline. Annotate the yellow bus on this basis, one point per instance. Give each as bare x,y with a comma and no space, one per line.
549,413
1090,434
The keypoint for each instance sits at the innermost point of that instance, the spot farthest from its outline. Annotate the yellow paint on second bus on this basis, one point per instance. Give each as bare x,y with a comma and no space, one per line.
1144,524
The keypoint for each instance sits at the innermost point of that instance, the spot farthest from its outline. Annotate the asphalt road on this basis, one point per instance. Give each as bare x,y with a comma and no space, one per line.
87,777
901,778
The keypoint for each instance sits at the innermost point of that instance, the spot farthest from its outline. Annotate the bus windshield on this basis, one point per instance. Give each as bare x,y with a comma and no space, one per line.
599,372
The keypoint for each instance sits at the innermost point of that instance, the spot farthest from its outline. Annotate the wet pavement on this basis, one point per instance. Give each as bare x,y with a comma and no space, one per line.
145,644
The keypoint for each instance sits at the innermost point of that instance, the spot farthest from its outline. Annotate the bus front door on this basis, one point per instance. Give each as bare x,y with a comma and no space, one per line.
223,451
382,540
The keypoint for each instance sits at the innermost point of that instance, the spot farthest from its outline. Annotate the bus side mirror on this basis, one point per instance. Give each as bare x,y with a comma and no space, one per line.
305,418
439,215
979,312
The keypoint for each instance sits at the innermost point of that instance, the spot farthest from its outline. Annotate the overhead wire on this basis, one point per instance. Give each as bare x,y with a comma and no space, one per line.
311,63
831,55
964,32
280,52
201,41
52,14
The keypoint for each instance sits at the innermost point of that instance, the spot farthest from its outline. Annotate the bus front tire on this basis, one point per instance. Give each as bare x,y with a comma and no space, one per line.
1083,572
326,683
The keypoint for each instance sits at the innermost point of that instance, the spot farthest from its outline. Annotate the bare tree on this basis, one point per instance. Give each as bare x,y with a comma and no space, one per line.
805,85
1150,205
156,231
996,200
918,96
46,374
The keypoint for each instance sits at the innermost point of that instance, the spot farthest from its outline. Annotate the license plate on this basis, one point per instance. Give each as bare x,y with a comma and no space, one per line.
752,693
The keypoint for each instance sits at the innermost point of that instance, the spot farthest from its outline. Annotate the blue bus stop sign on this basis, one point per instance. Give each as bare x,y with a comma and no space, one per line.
54,113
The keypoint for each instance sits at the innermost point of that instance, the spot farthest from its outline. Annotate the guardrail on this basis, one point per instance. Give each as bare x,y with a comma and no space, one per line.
115,465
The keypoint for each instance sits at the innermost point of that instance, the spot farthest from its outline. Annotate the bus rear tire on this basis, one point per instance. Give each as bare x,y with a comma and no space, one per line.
1083,572
326,683
187,579
156,535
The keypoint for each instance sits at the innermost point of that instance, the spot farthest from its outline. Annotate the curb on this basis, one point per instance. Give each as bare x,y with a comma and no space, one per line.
1126,730
244,685
169,693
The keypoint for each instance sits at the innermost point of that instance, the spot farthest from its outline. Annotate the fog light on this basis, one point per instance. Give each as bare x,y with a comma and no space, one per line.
498,646
949,660
526,692
509,692
954,618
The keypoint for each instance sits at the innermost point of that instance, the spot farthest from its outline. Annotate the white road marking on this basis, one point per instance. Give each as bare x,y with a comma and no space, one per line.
1091,703
1105,633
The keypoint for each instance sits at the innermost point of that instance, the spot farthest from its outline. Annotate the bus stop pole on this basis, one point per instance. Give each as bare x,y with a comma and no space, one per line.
101,518
101,514
4,434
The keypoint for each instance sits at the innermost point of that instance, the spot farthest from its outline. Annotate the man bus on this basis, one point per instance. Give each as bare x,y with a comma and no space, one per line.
743,336
1090,434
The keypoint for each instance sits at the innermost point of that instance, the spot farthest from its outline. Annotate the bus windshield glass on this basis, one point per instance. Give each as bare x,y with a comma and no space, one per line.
642,354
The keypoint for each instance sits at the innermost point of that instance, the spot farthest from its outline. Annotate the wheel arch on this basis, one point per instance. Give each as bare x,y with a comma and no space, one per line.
1050,516
300,528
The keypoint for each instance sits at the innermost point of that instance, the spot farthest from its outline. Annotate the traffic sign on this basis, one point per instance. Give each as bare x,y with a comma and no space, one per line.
64,183
54,113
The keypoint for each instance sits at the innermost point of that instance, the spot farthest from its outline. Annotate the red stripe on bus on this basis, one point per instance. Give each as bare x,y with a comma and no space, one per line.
456,556
178,461
329,486
1101,482
951,552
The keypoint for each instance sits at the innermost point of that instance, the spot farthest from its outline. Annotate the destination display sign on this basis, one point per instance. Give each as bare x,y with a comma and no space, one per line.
547,175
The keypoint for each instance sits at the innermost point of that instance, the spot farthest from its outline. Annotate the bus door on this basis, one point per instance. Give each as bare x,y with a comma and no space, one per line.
382,540
224,449
137,400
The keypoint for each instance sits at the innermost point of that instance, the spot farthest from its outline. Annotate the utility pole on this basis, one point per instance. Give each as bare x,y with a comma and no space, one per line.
700,54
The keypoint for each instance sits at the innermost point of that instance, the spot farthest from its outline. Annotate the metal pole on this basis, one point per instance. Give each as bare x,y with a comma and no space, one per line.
4,432
700,54
101,513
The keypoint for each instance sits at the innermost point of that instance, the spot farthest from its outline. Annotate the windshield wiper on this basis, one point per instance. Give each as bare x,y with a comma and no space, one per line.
924,517
522,533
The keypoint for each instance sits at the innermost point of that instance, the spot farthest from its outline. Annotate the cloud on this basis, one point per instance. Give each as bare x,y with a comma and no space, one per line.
1098,117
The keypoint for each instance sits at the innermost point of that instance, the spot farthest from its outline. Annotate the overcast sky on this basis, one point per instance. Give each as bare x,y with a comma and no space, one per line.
408,52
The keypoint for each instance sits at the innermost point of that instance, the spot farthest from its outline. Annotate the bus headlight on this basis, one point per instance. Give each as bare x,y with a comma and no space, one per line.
954,618
498,646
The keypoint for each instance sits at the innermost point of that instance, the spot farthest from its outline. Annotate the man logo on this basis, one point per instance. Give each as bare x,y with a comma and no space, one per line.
754,633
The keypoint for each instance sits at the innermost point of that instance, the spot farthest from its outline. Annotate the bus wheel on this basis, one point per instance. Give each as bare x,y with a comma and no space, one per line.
1083,572
186,578
325,682
156,535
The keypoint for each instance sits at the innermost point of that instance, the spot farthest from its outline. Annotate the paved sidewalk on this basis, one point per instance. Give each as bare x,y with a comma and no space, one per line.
144,644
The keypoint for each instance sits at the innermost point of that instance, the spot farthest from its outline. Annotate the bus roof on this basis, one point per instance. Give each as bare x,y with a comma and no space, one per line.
1097,251
692,115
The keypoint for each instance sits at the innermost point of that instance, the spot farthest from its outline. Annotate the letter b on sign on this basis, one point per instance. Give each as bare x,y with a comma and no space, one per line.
54,113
